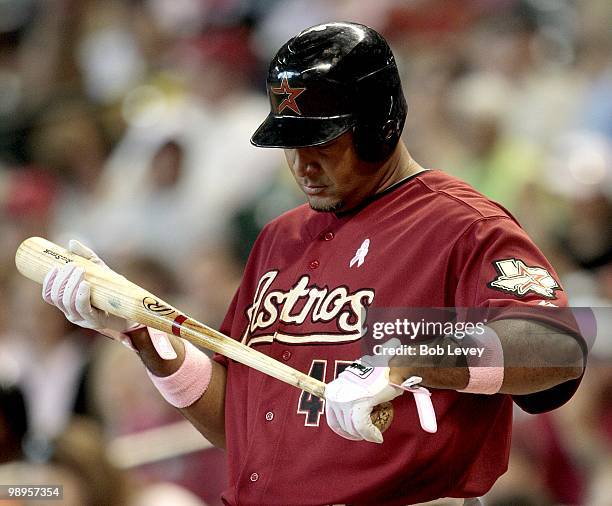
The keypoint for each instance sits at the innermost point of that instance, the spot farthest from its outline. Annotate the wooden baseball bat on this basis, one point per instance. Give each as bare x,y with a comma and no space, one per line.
112,292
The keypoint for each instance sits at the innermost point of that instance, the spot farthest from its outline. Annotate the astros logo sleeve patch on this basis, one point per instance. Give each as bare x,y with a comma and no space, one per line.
515,277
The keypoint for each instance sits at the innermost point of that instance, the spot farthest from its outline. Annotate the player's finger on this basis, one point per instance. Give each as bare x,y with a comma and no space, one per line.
347,423
48,284
59,284
78,248
70,293
83,306
332,416
362,422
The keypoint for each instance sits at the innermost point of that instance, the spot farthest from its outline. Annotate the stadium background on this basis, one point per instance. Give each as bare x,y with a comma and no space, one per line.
126,124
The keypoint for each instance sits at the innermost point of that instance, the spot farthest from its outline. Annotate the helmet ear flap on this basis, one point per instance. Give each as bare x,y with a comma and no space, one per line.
374,143
380,114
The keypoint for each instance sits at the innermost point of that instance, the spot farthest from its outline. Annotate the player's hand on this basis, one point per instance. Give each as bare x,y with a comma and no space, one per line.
350,398
66,288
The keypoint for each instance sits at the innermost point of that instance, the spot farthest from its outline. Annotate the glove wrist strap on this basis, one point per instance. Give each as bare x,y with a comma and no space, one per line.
422,399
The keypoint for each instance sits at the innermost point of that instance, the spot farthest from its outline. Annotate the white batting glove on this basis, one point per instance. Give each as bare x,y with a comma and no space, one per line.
350,398
66,288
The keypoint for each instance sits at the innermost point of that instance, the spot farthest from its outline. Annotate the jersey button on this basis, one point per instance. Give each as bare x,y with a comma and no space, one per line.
286,355
328,236
269,416
314,264
254,477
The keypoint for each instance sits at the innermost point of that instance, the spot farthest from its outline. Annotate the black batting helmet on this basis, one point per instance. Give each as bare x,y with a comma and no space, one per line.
329,79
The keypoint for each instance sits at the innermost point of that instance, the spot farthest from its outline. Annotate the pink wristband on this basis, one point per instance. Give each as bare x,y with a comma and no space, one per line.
487,371
187,384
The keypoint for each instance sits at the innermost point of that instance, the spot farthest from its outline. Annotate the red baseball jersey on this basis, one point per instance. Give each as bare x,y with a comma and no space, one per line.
428,241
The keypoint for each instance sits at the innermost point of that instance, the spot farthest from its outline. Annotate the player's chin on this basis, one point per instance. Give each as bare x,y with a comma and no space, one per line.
325,204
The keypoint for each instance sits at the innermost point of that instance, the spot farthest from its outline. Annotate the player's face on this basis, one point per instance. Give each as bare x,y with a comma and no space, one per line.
331,175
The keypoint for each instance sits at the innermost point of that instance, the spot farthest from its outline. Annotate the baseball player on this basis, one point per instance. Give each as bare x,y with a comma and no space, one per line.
378,231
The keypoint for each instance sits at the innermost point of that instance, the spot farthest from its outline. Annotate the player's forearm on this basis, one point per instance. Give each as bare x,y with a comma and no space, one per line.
207,414
536,358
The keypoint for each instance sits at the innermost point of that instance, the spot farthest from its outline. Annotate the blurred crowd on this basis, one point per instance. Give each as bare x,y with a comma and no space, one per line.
126,124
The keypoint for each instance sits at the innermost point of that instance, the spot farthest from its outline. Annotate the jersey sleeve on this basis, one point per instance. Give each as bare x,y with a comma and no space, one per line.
502,272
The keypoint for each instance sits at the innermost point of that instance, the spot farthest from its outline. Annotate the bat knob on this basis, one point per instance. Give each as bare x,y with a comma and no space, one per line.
382,416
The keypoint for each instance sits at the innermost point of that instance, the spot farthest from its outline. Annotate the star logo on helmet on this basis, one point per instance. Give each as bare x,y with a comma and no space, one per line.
289,101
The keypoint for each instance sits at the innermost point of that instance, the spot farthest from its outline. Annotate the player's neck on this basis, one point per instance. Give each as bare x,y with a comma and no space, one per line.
399,166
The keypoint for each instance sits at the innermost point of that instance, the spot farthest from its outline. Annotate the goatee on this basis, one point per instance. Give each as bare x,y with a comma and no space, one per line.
327,208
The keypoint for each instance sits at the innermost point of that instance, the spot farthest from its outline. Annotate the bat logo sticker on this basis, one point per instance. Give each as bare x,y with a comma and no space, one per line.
155,306
57,256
